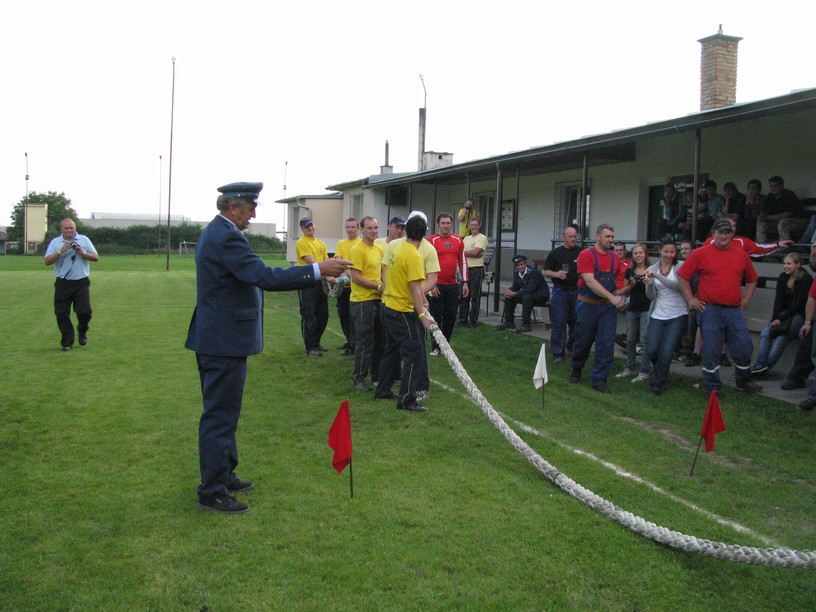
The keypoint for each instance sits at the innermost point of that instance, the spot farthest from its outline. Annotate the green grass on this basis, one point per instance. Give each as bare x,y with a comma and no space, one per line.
98,450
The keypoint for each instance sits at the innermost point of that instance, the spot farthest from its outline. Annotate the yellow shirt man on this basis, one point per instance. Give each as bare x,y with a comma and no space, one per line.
309,245
367,260
406,266
343,250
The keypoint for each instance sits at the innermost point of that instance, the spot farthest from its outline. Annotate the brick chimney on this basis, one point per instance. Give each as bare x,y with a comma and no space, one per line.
718,71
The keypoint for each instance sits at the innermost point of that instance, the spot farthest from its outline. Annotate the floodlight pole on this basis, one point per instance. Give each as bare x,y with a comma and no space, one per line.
26,156
158,245
170,169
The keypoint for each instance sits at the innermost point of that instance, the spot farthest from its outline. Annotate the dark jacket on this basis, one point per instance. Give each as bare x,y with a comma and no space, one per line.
790,302
532,283
228,318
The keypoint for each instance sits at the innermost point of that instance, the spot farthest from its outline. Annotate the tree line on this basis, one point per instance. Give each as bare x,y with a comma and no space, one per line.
133,240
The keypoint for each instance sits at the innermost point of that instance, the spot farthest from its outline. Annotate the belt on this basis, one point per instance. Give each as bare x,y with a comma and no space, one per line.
596,301
720,305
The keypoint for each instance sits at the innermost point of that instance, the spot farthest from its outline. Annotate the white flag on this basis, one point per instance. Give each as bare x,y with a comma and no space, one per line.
540,374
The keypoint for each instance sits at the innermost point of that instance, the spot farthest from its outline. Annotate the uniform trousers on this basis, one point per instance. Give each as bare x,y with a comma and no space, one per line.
78,294
314,315
368,338
595,323
403,343
344,314
222,390
720,324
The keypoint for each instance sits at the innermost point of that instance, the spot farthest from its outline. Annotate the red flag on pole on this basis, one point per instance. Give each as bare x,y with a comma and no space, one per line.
340,438
713,422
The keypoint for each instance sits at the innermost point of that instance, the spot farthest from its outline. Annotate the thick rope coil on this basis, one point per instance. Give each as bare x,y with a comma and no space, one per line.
780,557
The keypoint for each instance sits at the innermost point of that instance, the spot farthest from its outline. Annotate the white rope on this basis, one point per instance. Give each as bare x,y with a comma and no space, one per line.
781,557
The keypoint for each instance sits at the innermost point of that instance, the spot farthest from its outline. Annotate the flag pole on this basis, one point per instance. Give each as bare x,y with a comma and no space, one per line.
696,453
351,478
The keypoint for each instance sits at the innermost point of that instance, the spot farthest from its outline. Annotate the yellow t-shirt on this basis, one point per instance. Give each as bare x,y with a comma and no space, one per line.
310,246
344,247
406,266
464,224
429,255
381,242
472,242
367,260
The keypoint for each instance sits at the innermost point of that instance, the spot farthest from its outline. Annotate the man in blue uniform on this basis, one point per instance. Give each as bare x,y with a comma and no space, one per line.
227,326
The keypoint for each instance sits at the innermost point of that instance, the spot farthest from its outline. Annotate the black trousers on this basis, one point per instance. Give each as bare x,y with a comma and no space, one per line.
469,306
343,312
314,315
403,344
443,309
78,294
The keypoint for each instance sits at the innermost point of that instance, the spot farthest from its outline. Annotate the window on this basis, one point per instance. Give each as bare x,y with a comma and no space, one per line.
567,206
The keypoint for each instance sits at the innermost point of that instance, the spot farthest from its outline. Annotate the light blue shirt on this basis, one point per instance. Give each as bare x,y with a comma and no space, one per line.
71,266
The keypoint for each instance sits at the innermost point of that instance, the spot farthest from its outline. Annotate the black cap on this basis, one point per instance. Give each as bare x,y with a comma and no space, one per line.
723,225
519,258
397,221
306,222
249,191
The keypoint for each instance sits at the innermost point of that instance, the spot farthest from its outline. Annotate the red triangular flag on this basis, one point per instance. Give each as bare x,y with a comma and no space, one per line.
713,422
340,438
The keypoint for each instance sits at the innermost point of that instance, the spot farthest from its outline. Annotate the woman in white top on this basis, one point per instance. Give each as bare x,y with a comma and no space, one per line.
668,315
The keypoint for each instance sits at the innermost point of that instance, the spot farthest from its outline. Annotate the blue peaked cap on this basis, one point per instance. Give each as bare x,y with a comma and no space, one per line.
241,190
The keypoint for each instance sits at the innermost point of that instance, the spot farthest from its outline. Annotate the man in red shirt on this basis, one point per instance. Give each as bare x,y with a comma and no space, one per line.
598,271
444,302
720,303
748,245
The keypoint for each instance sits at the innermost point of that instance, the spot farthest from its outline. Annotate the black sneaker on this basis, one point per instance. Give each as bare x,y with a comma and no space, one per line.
314,353
759,372
222,503
413,407
503,326
66,348
523,329
386,395
83,340
694,359
239,485
575,376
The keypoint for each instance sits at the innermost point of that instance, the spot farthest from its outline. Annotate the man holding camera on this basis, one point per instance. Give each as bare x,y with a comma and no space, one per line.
465,215
71,254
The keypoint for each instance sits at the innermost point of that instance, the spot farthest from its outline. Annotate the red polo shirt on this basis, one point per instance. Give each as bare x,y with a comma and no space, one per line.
720,272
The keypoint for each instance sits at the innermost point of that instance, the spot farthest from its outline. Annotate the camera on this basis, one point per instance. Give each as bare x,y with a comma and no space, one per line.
638,277
75,245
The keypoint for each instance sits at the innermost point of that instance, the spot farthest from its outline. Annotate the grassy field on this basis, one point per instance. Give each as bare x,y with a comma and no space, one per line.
98,450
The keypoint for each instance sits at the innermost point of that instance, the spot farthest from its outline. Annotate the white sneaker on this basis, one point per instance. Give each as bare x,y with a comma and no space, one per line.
625,374
421,395
435,353
640,377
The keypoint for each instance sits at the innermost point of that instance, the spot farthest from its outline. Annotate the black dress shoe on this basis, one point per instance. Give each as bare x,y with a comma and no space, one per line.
386,395
601,387
575,376
239,485
807,405
83,340
226,504
66,348
749,385
790,385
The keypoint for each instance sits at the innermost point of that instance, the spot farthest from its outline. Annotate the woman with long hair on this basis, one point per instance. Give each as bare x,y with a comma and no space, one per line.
669,314
788,314
637,315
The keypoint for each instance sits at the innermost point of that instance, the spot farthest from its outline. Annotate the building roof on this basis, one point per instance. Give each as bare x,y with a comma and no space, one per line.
323,196
604,148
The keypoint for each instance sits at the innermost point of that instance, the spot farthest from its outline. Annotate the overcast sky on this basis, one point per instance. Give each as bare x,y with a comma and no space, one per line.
322,85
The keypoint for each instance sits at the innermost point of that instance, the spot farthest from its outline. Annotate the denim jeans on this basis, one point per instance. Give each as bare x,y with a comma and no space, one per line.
720,324
562,313
664,338
637,325
771,349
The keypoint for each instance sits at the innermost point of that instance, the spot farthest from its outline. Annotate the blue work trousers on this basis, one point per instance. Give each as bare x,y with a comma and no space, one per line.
563,317
720,324
595,323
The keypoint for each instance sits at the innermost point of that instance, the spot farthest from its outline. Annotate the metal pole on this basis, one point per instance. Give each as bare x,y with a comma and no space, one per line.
26,156
695,201
170,169
158,247
497,256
